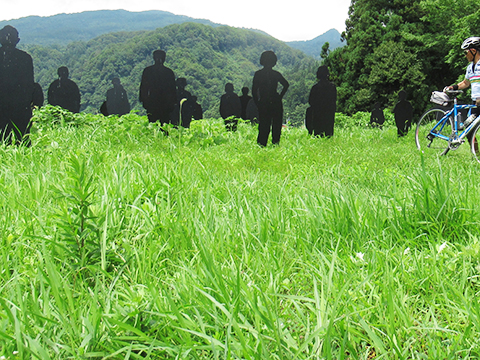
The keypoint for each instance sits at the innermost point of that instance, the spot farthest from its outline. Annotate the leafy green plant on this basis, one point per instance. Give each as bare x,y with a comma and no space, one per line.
79,226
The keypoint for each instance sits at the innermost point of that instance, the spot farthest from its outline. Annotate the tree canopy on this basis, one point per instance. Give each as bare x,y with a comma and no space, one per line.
401,44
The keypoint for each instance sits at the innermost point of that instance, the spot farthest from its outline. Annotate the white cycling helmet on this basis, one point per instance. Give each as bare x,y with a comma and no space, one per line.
471,43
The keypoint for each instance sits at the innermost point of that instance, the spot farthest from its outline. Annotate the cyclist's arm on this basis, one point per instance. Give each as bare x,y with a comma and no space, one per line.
465,84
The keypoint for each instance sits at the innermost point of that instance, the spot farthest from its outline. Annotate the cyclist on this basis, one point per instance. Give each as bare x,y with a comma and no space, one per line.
471,48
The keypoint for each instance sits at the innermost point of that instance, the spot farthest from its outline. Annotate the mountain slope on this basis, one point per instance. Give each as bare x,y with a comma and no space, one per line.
314,46
208,57
65,28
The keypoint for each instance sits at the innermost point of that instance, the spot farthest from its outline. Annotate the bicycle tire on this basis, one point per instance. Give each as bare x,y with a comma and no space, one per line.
474,143
430,144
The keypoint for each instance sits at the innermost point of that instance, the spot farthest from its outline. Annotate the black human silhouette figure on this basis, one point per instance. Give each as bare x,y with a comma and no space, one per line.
403,112
268,101
16,87
117,99
377,117
64,92
244,99
187,109
38,98
157,89
252,112
183,110
197,110
320,117
230,105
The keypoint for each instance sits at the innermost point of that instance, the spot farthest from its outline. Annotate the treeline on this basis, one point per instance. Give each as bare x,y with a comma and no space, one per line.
401,44
62,29
207,57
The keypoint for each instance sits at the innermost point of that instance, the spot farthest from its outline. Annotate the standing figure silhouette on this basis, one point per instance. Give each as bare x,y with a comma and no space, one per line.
117,99
323,104
377,118
403,112
197,109
64,92
184,107
244,99
230,105
157,89
16,87
267,99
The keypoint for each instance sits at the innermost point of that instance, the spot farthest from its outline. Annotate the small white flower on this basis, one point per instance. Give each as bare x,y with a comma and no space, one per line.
406,251
442,247
360,255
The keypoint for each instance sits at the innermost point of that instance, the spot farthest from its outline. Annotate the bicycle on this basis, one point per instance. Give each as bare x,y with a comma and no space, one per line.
441,130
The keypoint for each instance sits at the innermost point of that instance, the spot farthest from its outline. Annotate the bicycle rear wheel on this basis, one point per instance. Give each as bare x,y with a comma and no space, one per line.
474,143
428,143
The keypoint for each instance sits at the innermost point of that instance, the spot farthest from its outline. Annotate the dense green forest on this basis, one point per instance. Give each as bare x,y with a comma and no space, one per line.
63,29
401,44
208,57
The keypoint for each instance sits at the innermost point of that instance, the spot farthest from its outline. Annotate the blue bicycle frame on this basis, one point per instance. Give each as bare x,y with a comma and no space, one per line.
455,136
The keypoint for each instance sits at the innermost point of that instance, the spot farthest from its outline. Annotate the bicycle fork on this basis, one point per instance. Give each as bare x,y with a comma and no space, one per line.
460,140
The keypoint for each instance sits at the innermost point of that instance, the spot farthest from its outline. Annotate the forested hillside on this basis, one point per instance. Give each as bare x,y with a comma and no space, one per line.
313,47
207,57
63,29
401,44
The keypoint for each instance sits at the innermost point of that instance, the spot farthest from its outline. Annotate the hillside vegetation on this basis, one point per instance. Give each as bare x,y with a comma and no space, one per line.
314,47
395,45
120,243
207,57
63,29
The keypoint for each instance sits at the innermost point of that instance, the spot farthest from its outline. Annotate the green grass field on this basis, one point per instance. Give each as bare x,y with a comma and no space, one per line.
117,242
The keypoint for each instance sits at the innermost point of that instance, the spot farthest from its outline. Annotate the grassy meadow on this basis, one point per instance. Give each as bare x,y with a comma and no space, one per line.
118,242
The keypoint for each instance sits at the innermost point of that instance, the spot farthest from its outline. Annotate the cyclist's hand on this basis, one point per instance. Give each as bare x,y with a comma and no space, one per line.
447,88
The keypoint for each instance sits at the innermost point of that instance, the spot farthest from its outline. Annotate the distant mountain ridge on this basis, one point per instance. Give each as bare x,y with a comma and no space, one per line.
314,46
63,29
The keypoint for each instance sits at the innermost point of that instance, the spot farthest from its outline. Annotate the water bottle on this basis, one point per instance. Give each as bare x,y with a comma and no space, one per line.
459,121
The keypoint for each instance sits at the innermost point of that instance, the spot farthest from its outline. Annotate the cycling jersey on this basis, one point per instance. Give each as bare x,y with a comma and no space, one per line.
473,75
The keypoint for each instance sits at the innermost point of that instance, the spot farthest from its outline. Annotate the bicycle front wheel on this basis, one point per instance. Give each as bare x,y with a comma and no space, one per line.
428,142
474,144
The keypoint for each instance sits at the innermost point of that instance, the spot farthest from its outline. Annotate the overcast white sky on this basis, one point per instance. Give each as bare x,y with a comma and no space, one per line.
286,20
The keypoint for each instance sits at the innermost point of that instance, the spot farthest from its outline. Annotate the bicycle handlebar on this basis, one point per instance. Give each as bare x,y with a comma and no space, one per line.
453,92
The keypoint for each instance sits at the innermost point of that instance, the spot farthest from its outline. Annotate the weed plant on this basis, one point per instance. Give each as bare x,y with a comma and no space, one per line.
119,242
